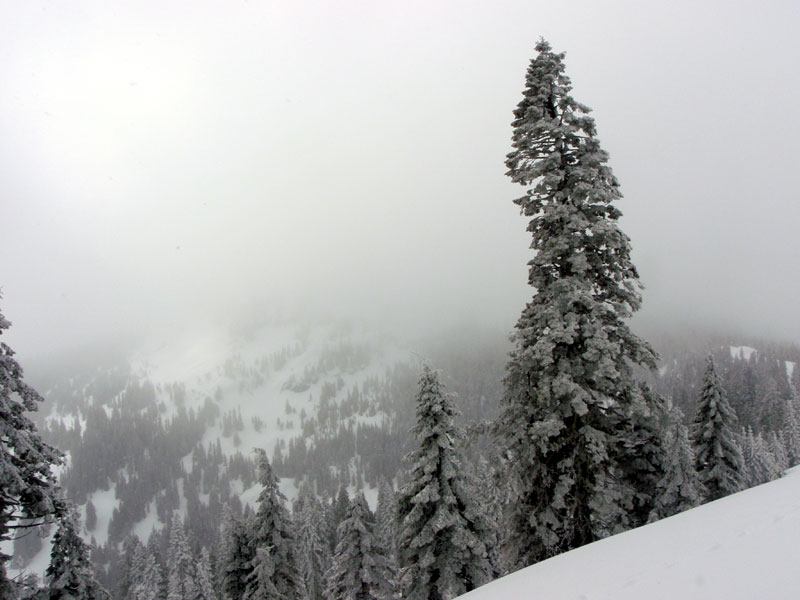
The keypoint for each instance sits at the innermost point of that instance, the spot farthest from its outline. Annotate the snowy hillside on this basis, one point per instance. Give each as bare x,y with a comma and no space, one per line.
741,547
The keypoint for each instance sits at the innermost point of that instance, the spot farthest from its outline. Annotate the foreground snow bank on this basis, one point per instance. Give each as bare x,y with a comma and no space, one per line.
744,546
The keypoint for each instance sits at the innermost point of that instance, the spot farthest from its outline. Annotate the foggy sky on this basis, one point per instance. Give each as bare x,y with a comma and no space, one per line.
182,162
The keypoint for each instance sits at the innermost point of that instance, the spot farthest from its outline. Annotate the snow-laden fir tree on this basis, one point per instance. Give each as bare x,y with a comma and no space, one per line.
134,555
679,489
205,579
778,449
719,461
29,494
444,541
579,433
791,426
70,575
359,569
386,527
313,553
338,510
151,581
236,554
273,569
181,574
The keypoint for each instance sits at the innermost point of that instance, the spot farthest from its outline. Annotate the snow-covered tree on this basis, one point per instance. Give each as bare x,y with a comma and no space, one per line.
679,489
578,431
338,510
236,555
719,461
444,541
273,569
70,575
791,426
359,568
386,527
134,556
151,581
181,575
29,494
205,581
313,553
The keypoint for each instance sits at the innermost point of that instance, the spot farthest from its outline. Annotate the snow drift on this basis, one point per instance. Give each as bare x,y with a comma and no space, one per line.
744,546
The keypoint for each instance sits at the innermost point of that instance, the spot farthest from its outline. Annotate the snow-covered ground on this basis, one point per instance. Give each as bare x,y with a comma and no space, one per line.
742,547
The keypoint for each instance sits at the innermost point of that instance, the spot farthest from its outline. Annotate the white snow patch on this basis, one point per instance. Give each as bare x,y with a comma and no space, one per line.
738,548
790,369
150,523
105,501
743,352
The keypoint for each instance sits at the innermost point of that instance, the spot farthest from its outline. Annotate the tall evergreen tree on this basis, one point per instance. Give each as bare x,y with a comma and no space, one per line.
29,494
579,432
181,575
235,556
360,570
386,527
338,511
205,581
151,581
313,554
273,569
680,488
444,536
719,460
134,556
70,575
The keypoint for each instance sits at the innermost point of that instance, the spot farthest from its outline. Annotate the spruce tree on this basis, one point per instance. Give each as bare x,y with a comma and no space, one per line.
313,553
151,581
444,540
235,556
359,570
70,575
579,433
386,526
719,460
133,559
791,426
30,494
679,489
205,581
181,575
273,569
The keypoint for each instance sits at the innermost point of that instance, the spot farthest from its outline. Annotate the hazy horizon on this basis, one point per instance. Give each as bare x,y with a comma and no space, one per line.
165,165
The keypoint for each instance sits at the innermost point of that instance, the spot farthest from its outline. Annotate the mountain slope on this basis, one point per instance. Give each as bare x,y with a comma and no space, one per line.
740,547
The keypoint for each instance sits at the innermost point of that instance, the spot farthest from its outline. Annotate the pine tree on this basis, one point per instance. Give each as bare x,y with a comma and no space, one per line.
181,575
718,457
273,569
578,431
235,556
70,575
679,489
30,495
359,570
444,536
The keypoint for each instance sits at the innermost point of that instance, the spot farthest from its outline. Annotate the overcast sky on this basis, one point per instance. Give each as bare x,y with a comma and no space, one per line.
184,161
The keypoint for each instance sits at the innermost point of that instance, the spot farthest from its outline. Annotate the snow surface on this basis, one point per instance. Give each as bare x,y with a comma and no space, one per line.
741,547
742,352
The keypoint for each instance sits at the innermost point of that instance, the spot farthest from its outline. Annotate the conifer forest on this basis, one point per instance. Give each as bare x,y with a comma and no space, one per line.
240,444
